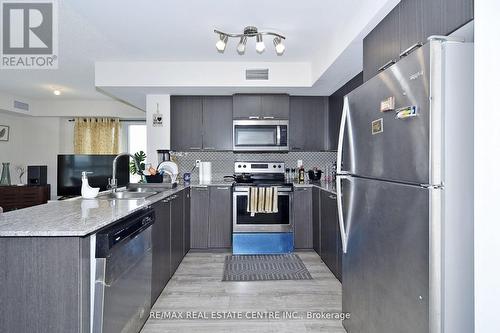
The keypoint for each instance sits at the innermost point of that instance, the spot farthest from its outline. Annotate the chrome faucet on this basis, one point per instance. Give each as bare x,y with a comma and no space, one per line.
113,182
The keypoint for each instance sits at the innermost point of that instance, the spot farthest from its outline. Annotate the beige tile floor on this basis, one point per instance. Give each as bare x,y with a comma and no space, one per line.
196,288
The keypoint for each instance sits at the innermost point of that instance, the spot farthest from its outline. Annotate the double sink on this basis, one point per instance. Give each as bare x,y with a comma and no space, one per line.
136,191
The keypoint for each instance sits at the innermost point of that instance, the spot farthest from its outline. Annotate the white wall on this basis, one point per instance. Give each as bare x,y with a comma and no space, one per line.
486,164
32,141
37,138
158,137
85,108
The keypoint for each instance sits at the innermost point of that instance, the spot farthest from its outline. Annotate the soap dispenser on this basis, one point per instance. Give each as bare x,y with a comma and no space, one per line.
87,191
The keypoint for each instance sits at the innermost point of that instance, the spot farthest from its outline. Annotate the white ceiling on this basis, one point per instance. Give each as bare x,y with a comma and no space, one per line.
182,31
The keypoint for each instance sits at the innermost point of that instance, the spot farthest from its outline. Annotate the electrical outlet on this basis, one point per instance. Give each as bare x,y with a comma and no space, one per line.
198,163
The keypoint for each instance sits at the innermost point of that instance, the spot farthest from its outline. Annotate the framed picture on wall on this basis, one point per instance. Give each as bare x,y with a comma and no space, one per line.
4,133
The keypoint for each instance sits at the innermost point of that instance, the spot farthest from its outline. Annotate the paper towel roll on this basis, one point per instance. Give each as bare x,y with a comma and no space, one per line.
205,169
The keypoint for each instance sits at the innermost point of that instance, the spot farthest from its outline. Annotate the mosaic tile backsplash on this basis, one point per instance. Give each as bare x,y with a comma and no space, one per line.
223,162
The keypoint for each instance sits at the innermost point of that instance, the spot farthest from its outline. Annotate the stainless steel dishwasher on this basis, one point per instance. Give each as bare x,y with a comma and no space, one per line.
122,290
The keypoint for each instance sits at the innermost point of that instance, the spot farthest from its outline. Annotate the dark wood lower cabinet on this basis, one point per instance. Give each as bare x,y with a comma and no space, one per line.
199,217
219,220
316,219
186,193
167,241
176,231
302,217
45,284
211,217
330,242
161,249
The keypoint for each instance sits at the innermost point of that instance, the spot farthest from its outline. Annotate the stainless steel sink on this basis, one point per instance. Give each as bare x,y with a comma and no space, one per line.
128,195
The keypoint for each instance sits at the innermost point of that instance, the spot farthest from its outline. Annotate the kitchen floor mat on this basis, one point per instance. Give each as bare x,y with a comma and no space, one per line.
264,268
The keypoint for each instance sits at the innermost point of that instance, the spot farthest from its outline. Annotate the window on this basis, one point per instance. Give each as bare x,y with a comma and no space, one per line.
136,141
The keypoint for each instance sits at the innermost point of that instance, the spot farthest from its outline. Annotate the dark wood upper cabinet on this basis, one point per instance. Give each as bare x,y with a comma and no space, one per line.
217,123
201,123
309,123
382,45
456,14
370,56
410,22
275,106
432,18
247,106
255,106
186,123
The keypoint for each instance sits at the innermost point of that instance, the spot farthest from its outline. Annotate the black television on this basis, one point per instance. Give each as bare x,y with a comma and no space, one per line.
70,167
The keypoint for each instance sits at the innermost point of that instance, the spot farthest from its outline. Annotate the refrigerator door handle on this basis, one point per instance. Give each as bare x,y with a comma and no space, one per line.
340,211
343,121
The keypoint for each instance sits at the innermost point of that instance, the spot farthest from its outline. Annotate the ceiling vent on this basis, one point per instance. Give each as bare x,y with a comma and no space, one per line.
257,74
21,105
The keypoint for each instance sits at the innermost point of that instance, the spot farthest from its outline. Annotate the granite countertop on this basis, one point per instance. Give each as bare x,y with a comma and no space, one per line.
80,217
75,217
330,187
213,182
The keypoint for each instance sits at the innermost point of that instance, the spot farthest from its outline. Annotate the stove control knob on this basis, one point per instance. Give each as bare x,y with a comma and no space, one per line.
239,166
279,166
244,165
274,166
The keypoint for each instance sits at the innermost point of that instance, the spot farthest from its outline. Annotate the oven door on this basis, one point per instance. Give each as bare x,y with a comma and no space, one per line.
262,222
260,135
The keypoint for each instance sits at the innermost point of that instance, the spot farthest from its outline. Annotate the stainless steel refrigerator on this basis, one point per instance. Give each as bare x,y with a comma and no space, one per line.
405,190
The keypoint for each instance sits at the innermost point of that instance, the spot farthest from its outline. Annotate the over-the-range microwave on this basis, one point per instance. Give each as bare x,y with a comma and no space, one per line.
260,135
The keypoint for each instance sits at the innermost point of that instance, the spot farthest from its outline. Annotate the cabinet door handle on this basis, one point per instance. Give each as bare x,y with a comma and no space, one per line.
387,65
332,197
223,188
195,148
268,117
253,117
210,148
410,49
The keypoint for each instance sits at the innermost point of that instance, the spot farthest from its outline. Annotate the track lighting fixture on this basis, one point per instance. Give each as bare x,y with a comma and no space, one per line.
250,31
279,46
260,46
221,43
242,45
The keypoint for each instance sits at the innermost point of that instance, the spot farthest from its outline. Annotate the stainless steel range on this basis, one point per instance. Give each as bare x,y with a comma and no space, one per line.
262,232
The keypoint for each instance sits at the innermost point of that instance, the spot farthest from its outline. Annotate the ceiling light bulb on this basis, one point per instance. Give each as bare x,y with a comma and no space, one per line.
221,43
279,46
242,45
57,92
260,46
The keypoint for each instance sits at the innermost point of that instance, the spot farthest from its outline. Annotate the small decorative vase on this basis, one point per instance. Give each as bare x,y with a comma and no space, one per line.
5,180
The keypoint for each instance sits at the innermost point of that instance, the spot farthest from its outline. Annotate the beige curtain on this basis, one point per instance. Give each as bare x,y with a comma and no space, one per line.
97,135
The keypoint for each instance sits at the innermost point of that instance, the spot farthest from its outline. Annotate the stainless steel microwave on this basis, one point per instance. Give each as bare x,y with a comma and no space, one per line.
260,135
